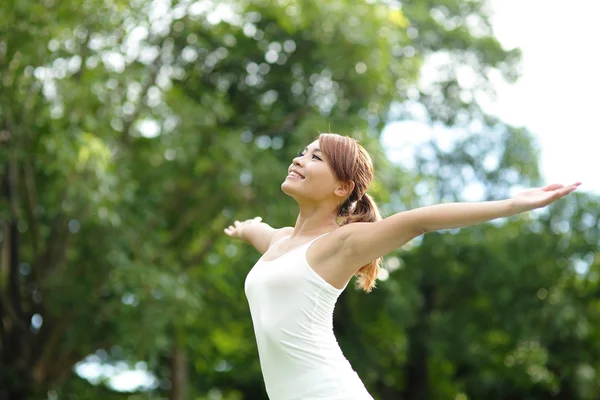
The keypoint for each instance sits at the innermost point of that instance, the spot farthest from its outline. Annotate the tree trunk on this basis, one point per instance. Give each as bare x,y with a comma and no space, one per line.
179,371
417,374
15,379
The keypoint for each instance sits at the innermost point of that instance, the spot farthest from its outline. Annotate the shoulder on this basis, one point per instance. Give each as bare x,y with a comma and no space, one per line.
328,257
279,234
331,245
365,242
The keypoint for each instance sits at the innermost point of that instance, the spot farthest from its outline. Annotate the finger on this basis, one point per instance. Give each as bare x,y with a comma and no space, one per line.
236,223
257,219
570,189
552,187
565,191
573,186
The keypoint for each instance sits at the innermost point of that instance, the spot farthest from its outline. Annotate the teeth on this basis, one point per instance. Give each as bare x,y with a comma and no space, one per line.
295,174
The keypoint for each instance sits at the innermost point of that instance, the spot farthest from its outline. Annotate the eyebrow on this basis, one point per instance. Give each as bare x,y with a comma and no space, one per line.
317,149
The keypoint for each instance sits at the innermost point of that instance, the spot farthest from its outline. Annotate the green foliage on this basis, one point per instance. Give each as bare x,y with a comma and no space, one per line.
132,132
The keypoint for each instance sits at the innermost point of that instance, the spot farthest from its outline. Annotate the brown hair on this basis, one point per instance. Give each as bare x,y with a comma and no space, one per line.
351,162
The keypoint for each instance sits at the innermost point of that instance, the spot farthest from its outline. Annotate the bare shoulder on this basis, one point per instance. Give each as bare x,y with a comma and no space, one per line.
280,233
262,236
337,256
367,241
328,258
328,248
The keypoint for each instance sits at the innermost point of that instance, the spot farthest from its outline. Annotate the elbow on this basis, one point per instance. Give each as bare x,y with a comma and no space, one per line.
415,233
420,230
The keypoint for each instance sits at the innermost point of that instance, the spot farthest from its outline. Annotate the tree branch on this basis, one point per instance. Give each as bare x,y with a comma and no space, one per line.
13,242
31,203
40,366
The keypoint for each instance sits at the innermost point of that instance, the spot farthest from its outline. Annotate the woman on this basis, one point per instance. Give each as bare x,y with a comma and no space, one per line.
339,233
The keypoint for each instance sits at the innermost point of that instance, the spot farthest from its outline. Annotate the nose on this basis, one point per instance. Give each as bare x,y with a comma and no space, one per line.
297,161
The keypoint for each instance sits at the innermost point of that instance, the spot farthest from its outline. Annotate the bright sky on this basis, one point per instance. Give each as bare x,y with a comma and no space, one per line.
557,98
558,95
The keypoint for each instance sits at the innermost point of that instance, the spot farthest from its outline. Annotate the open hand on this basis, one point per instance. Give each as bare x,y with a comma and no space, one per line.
236,230
541,197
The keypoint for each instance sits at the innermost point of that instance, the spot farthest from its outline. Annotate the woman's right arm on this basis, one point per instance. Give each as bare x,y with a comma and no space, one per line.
257,233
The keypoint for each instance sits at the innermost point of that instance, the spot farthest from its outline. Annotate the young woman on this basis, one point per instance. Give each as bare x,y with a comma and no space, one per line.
339,233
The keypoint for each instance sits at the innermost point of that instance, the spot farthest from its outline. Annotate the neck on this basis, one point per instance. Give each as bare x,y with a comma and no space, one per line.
315,220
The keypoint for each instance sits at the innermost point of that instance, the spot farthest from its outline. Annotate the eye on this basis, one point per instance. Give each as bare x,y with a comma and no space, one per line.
301,154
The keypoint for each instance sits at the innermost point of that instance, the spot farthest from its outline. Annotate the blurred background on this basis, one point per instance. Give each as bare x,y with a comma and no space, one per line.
133,132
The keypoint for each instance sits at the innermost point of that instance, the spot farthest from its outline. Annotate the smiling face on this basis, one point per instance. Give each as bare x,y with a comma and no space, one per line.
310,177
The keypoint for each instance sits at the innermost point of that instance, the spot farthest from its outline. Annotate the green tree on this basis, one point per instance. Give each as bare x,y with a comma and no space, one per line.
133,132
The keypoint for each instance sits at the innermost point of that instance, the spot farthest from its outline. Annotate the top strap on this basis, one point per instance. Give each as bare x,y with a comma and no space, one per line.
318,237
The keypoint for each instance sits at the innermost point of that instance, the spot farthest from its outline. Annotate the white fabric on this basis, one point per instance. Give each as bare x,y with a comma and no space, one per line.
292,312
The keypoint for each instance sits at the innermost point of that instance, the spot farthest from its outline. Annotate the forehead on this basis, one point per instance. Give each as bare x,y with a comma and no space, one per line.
313,146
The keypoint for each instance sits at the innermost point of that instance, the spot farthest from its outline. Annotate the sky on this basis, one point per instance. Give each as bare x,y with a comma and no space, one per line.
558,94
556,98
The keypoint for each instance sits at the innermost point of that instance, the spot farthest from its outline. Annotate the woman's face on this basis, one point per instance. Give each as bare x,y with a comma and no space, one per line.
310,177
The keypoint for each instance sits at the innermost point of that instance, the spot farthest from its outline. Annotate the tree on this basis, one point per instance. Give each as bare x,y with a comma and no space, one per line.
132,132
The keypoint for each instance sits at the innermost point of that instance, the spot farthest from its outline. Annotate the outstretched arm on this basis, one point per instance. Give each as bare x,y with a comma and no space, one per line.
367,241
457,215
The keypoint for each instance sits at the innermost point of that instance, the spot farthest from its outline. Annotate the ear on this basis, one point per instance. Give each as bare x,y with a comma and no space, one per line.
344,189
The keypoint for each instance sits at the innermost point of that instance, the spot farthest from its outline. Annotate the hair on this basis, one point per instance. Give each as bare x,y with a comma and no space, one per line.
351,162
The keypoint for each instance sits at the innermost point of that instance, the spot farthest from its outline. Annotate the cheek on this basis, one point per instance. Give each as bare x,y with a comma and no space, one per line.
320,176
326,180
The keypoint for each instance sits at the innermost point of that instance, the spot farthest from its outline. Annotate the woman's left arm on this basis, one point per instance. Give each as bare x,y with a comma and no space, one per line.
367,241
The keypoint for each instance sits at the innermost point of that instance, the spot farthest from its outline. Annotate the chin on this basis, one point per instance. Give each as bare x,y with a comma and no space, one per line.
285,188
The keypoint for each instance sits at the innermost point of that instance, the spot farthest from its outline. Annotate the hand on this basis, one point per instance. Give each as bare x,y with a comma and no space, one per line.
541,197
236,230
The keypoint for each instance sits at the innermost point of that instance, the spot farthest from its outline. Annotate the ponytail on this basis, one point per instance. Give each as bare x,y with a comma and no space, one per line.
362,210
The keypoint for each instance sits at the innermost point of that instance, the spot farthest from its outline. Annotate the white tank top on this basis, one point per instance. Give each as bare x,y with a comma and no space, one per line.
292,313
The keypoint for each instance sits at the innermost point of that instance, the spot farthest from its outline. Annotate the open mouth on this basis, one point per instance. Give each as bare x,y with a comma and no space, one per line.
295,175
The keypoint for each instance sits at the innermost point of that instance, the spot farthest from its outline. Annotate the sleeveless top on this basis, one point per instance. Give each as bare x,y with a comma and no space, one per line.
292,314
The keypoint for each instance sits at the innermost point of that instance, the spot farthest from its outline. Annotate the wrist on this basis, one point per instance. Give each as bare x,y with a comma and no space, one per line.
513,207
248,231
241,234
